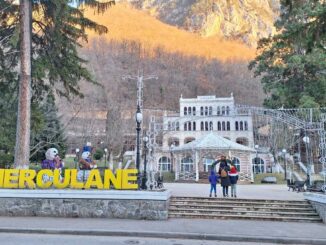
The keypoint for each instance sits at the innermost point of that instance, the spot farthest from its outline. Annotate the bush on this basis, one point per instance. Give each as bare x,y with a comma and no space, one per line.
98,154
168,176
6,160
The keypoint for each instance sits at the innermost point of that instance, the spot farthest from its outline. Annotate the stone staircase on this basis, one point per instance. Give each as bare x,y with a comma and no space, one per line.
217,208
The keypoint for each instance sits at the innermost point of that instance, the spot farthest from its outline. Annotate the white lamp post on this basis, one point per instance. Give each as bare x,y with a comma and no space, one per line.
285,166
105,155
77,156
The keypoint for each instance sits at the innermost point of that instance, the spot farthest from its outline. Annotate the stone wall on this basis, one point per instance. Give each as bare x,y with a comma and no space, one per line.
318,201
131,205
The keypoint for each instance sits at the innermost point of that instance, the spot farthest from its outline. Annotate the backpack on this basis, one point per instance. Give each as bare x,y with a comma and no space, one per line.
224,173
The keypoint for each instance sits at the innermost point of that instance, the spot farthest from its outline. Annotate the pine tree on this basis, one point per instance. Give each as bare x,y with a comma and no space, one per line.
47,131
58,29
292,63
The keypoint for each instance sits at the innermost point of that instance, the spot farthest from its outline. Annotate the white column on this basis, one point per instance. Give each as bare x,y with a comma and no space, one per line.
176,167
197,167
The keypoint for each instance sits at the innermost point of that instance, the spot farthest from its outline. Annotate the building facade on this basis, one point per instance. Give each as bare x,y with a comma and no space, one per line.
205,128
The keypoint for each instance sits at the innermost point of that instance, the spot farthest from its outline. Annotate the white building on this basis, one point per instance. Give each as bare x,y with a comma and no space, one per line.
206,128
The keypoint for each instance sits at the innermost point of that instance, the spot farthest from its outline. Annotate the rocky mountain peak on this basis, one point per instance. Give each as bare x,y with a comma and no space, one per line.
245,20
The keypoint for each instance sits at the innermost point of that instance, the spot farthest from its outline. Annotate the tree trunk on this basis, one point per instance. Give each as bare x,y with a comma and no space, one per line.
22,149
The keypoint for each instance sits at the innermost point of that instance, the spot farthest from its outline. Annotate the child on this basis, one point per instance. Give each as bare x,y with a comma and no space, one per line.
213,180
233,175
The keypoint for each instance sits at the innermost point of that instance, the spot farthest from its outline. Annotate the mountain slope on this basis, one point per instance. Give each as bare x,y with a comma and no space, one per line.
127,23
244,20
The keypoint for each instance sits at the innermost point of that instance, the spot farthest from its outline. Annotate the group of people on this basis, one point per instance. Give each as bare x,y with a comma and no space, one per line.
227,174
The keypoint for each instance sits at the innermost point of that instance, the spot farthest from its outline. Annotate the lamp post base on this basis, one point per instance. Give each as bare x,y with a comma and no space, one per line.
144,181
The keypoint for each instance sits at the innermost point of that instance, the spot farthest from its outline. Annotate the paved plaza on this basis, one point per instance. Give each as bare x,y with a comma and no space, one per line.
250,191
195,229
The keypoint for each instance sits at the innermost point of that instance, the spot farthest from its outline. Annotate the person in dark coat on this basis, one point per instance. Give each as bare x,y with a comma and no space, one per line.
234,176
213,179
223,172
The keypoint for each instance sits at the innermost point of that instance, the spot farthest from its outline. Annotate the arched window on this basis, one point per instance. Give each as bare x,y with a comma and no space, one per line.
237,126
202,111
258,165
164,164
242,141
188,140
194,126
189,111
185,111
228,128
218,111
185,126
202,126
177,126
210,126
223,126
173,140
227,110
219,126
189,126
241,125
210,111
159,141
236,163
206,126
206,110
187,164
223,110
246,125
194,111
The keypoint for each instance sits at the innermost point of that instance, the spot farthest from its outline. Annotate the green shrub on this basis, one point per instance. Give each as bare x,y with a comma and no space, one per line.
168,176
6,160
98,154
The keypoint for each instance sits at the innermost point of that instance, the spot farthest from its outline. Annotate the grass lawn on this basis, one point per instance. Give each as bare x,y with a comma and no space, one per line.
279,178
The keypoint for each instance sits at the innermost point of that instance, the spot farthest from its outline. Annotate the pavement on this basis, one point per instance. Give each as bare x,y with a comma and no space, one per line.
196,229
250,191
172,231
55,239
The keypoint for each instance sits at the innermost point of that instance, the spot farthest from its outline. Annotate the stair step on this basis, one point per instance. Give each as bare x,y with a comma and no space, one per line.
228,207
232,216
231,202
204,211
237,200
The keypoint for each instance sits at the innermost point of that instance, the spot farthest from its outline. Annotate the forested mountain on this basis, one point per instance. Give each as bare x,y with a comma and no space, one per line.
185,63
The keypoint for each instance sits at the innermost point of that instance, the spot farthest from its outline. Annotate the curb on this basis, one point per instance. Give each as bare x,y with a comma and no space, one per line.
169,235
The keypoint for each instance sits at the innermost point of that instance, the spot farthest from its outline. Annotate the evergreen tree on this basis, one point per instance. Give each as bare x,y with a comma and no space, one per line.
47,131
58,29
292,63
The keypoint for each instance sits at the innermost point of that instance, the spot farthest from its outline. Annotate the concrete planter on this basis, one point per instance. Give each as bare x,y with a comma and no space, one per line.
150,205
318,201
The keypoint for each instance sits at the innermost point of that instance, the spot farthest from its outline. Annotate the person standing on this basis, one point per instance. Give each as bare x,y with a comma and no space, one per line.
213,181
224,175
234,176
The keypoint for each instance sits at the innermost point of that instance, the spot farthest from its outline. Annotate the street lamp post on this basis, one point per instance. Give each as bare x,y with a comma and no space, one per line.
139,118
144,179
285,165
256,159
171,152
306,140
77,157
105,154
